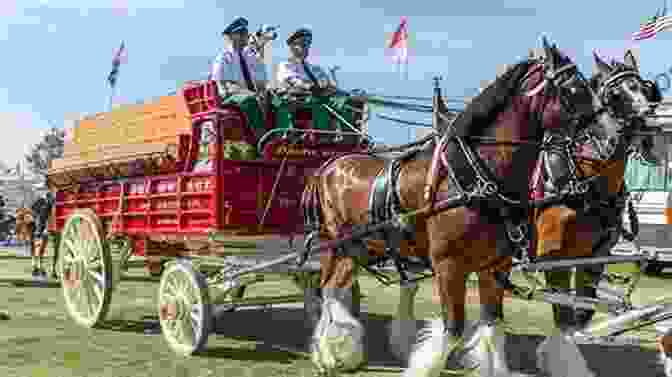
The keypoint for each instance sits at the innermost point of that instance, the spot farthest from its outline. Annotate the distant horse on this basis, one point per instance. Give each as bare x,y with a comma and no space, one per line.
589,224
31,227
25,223
467,198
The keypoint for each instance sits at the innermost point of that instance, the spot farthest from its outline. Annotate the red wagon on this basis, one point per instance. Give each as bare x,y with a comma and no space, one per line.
182,177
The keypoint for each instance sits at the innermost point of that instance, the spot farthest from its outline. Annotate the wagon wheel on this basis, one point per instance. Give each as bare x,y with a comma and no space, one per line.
185,311
86,269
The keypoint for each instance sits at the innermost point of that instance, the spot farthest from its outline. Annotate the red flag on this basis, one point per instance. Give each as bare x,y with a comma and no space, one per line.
399,43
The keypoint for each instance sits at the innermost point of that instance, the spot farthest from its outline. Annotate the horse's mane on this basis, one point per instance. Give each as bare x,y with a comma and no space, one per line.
483,109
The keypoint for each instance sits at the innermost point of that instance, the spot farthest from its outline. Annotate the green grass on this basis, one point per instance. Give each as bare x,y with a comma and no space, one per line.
40,339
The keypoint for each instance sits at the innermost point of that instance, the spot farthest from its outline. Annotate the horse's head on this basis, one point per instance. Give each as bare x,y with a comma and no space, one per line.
572,100
625,99
621,88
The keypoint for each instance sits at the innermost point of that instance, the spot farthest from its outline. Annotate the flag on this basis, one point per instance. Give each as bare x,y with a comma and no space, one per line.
399,43
116,61
69,134
656,24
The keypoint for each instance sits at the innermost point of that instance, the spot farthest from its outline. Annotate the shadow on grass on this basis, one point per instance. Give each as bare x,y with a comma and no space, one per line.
286,329
664,275
28,282
147,326
262,353
14,256
282,336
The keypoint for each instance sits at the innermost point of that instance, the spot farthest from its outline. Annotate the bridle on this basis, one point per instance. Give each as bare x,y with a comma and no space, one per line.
486,189
578,184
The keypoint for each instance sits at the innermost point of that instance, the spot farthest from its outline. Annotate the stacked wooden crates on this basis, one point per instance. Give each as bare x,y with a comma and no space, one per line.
158,129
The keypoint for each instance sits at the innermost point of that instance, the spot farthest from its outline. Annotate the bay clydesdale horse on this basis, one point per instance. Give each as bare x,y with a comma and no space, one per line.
468,192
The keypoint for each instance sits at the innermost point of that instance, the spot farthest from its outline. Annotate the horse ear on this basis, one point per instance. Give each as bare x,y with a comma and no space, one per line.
601,66
630,60
549,52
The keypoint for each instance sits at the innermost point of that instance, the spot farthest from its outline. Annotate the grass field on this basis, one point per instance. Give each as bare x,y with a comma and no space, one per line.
39,339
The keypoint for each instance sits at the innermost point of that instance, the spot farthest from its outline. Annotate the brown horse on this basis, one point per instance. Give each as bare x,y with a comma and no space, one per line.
590,225
25,222
487,153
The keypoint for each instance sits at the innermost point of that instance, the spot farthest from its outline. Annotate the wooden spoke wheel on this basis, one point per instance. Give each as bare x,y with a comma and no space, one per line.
185,312
86,269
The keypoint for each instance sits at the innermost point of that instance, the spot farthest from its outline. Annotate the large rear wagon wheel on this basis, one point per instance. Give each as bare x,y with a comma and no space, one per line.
185,311
86,269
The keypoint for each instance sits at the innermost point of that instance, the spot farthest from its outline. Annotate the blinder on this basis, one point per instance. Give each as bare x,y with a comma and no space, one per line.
653,91
558,80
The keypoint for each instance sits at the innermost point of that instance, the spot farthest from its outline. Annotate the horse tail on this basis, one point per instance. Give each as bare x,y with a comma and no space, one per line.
310,205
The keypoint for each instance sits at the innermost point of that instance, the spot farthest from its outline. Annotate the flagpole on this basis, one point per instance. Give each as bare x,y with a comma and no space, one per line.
111,99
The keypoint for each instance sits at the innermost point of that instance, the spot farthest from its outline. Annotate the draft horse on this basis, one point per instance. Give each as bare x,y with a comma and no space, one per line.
467,194
588,222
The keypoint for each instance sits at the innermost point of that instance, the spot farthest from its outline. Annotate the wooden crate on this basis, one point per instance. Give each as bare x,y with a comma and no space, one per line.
164,117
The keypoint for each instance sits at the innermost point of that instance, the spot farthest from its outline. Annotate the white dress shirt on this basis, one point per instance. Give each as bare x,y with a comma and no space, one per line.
289,71
226,67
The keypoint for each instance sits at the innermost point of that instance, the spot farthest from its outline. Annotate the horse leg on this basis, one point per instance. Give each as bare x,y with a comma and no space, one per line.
36,260
403,329
563,316
338,339
587,278
40,254
559,355
56,248
442,337
485,348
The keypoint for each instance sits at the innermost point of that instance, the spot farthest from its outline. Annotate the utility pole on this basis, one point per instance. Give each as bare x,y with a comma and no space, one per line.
332,72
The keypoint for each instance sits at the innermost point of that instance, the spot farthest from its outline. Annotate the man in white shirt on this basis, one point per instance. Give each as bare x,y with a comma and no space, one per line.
296,78
239,74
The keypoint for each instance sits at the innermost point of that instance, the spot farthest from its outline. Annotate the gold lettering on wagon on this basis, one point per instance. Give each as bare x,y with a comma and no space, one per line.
299,151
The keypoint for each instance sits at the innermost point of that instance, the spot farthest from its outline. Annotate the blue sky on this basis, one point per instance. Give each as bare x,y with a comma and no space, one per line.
57,54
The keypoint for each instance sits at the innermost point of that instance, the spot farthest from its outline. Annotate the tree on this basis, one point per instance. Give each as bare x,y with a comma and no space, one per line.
49,148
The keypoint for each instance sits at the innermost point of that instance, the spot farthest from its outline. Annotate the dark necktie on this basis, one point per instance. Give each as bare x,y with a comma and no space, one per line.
246,71
310,74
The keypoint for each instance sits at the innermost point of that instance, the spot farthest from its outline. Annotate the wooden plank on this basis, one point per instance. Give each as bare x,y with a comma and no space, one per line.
162,118
114,154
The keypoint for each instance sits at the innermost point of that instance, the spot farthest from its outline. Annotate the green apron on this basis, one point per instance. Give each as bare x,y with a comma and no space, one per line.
321,116
250,107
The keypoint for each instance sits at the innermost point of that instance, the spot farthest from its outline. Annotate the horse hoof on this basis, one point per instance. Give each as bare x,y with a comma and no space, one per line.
402,335
338,340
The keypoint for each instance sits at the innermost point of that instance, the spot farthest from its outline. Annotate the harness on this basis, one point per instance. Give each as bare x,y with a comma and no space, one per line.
566,183
474,186
385,204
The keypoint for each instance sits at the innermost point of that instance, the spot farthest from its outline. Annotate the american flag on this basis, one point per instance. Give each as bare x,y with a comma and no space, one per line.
659,22
116,62
399,43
